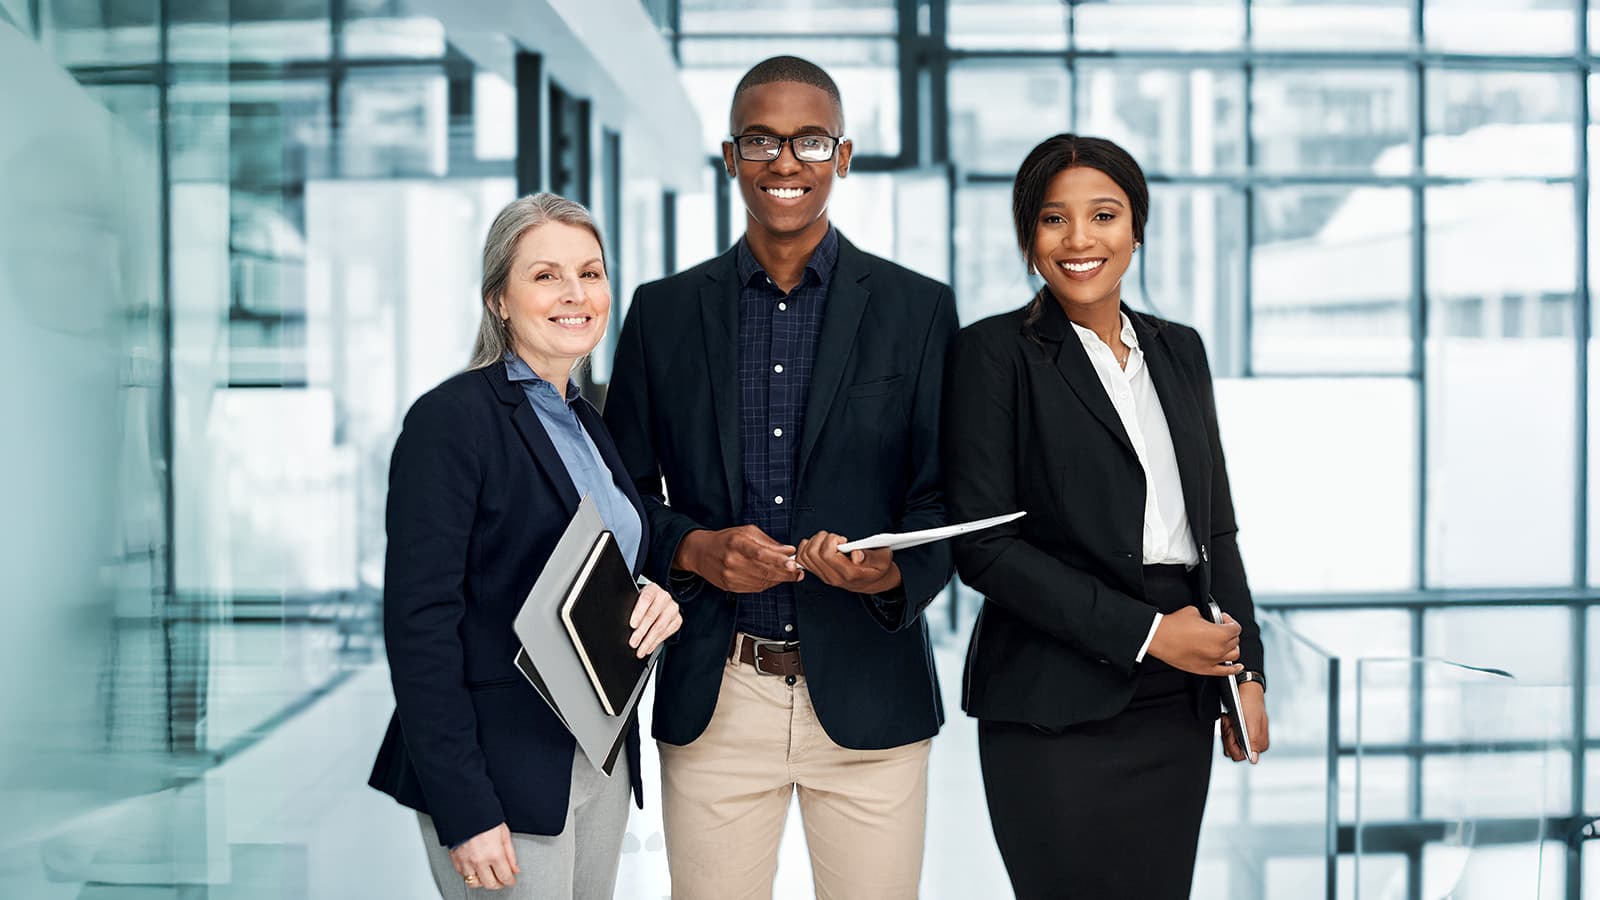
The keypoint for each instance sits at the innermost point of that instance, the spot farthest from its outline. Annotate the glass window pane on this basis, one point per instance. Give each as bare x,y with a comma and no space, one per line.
1533,643
1191,267
494,117
1333,120
696,233
1591,798
1359,435
377,29
1331,24
79,33
1172,120
1309,313
262,31
1593,259
1017,25
990,275
1500,123
865,71
1174,24
1487,26
1351,634
1500,379
1000,111
1500,867
787,17
394,123
903,216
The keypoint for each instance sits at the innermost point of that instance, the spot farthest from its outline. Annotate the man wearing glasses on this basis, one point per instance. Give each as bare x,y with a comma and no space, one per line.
785,396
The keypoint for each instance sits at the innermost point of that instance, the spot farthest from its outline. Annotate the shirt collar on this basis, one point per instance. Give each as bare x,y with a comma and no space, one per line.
820,266
1090,339
519,371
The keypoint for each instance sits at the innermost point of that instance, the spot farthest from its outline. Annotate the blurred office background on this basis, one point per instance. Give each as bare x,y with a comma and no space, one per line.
239,237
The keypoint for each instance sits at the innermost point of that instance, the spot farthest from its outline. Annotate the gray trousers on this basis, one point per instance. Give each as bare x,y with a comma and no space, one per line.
580,863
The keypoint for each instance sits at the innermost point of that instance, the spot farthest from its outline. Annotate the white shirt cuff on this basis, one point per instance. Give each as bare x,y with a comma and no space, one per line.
1148,638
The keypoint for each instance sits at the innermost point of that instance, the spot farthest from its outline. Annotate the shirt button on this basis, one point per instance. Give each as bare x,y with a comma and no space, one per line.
769,279
777,432
788,628
777,368
783,307
778,500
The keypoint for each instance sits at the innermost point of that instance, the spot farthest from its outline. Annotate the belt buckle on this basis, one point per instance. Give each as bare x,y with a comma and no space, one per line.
783,647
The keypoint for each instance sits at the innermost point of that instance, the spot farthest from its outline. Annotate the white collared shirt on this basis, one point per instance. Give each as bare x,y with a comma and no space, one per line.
1167,539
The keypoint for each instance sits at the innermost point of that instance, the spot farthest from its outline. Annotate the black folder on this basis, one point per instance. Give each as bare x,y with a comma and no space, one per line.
596,612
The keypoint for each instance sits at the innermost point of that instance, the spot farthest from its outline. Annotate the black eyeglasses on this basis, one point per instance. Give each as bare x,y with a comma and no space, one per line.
809,148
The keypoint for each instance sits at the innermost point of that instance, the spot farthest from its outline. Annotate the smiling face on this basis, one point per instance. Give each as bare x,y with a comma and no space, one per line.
1083,240
557,298
786,198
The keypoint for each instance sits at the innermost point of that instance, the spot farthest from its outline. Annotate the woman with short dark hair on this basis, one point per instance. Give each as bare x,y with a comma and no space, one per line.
1092,670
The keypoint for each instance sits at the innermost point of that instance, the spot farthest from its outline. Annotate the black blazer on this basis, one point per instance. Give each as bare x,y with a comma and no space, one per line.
869,462
1028,426
478,497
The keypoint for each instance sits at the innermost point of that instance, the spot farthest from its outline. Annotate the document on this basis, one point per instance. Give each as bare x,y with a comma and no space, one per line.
550,660
926,536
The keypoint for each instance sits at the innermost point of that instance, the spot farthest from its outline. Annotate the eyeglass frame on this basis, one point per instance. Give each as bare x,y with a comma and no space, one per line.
738,151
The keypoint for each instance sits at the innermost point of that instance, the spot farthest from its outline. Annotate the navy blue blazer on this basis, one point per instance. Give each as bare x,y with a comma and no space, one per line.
478,497
868,462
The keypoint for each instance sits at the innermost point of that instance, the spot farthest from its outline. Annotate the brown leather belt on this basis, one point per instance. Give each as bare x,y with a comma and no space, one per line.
768,657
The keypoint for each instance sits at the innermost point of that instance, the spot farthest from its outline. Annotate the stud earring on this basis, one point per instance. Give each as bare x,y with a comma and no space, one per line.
1137,245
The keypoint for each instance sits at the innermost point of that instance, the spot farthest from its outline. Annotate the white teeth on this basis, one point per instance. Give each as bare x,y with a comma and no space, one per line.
1083,266
786,193
572,320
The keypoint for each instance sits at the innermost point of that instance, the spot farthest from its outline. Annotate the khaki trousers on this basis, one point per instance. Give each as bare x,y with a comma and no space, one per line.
724,799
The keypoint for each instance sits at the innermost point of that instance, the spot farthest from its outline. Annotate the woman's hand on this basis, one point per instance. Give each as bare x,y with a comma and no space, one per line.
655,618
1185,640
1253,699
487,860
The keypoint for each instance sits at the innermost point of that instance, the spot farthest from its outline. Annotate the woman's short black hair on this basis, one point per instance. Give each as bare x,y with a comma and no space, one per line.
1056,154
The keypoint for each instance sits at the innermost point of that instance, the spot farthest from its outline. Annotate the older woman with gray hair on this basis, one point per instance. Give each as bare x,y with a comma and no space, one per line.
487,471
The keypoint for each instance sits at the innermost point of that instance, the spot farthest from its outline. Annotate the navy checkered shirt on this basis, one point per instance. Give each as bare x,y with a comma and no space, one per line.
777,348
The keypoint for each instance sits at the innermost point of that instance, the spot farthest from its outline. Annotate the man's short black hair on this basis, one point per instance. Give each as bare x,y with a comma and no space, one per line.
789,68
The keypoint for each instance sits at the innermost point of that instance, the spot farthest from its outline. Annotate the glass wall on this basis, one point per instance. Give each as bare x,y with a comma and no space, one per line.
236,241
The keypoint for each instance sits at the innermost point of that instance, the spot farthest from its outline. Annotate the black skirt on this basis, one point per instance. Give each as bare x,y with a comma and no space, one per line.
1110,809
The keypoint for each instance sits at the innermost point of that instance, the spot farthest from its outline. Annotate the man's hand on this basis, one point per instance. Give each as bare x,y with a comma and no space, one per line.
743,560
861,571
487,860
1253,699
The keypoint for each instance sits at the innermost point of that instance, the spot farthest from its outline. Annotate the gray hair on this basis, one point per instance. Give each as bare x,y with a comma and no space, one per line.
500,250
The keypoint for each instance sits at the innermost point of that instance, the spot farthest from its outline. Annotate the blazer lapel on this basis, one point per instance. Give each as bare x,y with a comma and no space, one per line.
847,302
1182,410
533,434
1073,363
719,316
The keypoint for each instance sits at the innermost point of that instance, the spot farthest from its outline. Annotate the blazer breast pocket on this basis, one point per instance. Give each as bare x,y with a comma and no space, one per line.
874,388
